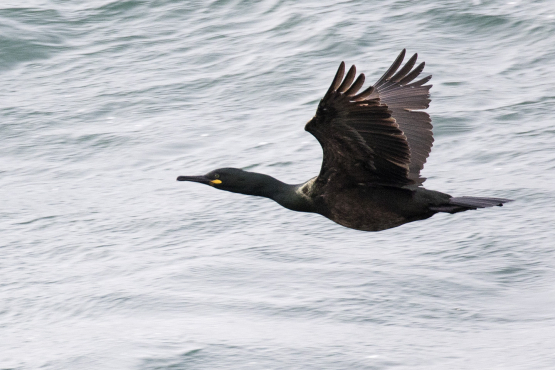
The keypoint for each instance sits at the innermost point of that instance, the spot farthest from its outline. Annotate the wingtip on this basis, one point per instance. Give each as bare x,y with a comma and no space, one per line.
351,74
393,68
342,66
337,79
355,87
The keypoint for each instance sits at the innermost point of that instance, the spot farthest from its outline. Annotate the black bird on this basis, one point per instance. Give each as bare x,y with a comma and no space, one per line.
375,143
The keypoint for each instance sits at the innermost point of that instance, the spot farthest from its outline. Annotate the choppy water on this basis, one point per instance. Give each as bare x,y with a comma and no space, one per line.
107,262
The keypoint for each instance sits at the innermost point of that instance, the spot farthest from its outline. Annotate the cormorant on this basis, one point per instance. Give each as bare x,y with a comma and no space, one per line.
375,143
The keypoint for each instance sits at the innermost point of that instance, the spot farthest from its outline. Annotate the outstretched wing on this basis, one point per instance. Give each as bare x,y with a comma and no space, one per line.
360,137
405,99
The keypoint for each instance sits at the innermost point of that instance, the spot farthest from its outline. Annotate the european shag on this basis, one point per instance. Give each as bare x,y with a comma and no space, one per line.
375,143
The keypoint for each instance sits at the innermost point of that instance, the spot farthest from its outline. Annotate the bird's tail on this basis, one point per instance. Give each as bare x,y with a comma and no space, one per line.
460,204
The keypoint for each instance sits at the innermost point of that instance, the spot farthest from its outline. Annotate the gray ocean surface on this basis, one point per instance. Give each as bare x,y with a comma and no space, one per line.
107,262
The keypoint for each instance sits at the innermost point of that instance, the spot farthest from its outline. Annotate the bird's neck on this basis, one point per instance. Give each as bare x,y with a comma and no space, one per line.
288,196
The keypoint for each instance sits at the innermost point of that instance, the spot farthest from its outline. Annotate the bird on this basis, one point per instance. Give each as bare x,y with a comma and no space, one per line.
374,143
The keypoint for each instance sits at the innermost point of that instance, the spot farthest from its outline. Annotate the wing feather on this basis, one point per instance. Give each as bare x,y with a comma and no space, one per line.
356,86
406,101
393,68
411,76
337,79
406,69
348,80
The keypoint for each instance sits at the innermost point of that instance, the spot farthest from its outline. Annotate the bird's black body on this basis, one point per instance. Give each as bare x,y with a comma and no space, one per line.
375,143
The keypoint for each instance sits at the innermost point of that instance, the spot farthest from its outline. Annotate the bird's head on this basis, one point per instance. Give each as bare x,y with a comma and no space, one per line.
230,179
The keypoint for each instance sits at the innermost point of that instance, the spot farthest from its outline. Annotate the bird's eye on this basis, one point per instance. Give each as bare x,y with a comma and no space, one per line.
216,176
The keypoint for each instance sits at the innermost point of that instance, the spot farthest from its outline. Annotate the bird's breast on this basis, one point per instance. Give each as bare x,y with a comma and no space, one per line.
371,209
